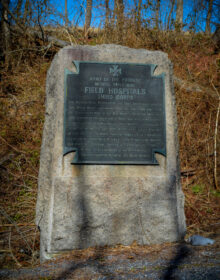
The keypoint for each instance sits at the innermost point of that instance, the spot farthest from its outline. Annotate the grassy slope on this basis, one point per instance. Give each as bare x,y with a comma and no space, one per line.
21,122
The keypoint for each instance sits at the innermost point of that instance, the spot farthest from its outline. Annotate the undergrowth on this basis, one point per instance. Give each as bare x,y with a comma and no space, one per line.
22,96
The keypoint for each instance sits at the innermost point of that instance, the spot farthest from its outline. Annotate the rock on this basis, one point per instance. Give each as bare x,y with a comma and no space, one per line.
80,206
198,240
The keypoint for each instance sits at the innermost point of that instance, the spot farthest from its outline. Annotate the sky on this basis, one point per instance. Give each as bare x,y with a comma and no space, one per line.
76,11
77,8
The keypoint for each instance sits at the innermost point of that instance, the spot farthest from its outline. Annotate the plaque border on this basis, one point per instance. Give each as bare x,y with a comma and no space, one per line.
66,150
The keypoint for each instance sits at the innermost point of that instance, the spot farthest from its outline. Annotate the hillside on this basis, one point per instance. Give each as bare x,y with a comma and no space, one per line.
22,96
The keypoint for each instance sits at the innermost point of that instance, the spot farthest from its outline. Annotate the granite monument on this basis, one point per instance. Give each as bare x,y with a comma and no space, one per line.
109,166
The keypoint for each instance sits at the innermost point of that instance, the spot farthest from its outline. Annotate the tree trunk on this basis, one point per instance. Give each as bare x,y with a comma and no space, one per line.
66,14
208,18
170,14
179,15
18,8
216,39
6,32
194,16
112,20
157,10
120,19
88,16
26,11
107,14
139,15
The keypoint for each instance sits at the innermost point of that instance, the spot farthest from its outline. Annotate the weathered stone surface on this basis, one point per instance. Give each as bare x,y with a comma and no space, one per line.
89,205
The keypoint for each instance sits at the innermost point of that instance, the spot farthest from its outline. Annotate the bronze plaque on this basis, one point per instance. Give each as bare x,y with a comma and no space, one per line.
114,113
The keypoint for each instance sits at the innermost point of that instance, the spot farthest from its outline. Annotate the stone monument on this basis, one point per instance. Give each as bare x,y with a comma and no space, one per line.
109,166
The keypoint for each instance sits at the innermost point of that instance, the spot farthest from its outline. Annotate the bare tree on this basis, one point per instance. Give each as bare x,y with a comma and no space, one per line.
196,15
66,14
216,38
107,14
6,31
88,16
139,6
179,15
18,8
27,11
119,11
208,18
170,13
157,11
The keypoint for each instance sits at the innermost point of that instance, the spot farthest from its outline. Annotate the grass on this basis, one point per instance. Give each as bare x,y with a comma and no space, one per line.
22,96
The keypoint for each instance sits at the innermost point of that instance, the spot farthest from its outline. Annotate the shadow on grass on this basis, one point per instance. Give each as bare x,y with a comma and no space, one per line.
182,253
96,268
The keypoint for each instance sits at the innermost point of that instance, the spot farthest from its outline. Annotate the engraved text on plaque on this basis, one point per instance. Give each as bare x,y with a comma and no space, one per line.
114,113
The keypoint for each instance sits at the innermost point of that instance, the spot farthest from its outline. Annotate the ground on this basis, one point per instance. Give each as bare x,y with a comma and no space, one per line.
167,261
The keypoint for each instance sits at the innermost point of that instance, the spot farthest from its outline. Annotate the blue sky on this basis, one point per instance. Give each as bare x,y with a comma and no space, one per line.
76,11
77,8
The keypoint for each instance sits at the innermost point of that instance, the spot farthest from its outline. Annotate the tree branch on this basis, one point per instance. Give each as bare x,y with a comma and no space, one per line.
14,18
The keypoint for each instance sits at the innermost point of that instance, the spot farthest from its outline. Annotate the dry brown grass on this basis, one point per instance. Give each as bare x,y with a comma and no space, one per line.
22,115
